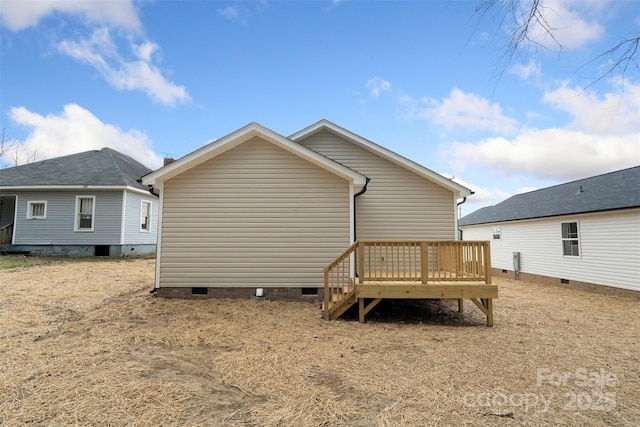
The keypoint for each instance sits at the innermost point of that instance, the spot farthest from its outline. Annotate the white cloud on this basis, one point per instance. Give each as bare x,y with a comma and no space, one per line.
235,13
145,50
567,22
461,110
141,74
99,50
613,114
76,130
525,72
603,136
377,85
18,15
559,154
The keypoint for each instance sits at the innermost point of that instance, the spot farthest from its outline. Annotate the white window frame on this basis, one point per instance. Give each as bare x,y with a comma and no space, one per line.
30,205
76,226
142,204
570,239
496,233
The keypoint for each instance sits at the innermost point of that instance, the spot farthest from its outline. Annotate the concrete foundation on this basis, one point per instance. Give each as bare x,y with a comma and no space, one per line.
273,294
79,251
565,283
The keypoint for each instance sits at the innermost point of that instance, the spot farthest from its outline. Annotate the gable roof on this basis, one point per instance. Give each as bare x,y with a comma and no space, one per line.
412,166
105,167
610,191
241,135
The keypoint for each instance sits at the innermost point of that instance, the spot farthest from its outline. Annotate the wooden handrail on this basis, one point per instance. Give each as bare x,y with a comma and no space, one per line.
338,279
6,233
405,261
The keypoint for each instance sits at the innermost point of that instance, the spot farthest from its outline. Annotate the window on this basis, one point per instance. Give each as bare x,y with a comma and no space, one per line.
145,216
497,233
570,239
36,210
85,212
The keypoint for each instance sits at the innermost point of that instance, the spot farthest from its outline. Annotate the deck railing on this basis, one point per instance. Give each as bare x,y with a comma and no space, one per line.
6,234
405,261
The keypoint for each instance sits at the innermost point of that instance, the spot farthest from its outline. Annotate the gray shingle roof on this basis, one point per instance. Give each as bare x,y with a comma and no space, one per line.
96,167
611,191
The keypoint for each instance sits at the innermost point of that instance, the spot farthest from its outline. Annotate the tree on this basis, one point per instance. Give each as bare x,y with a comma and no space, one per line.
525,17
12,154
4,150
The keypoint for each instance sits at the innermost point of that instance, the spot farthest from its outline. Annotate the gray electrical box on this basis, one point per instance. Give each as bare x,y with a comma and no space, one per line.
516,261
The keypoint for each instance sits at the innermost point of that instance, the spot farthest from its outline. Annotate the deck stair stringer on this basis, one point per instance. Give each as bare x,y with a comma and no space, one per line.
338,308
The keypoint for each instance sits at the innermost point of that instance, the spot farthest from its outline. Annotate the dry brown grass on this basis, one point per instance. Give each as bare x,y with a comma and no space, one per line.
85,344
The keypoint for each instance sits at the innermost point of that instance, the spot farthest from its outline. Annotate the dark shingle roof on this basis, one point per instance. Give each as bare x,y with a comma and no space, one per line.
97,167
611,191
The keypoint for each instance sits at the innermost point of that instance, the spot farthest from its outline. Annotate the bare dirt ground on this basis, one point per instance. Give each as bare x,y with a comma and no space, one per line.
86,344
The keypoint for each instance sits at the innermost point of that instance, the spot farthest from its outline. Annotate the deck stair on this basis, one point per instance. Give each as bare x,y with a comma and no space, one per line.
370,271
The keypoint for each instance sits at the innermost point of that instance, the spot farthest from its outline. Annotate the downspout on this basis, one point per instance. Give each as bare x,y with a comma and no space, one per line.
158,194
139,181
364,190
464,199
154,290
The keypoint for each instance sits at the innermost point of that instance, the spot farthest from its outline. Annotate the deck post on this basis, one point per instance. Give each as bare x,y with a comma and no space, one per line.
460,260
360,266
487,263
489,305
326,294
424,262
460,305
361,310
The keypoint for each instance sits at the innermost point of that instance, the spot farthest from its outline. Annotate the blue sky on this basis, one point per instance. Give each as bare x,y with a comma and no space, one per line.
426,79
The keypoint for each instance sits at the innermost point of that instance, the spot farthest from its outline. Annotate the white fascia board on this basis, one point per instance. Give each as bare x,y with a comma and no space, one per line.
241,135
459,190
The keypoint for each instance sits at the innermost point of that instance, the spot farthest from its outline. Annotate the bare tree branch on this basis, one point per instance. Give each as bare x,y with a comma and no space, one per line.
4,150
13,154
526,18
621,57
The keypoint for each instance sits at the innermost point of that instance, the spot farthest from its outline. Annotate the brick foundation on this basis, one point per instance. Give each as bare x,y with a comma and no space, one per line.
573,284
273,294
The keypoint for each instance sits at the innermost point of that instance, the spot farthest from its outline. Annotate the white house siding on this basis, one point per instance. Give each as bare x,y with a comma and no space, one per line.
256,215
609,247
398,203
132,233
58,227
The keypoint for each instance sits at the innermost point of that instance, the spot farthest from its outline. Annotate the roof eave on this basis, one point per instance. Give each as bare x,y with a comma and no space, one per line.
239,136
459,190
7,188
586,212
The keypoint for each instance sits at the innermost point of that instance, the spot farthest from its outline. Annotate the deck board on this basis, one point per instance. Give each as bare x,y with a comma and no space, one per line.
413,290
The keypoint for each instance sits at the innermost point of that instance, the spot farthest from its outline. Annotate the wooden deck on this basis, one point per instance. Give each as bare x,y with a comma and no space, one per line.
370,271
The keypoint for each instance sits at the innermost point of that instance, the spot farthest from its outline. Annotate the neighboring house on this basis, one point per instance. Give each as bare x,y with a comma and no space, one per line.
255,209
84,204
585,231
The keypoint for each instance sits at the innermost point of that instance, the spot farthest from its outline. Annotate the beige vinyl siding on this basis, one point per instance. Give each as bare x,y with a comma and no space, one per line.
254,216
398,203
609,247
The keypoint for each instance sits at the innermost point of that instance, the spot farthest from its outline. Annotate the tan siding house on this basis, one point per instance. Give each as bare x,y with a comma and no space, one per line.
255,209
256,215
399,203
